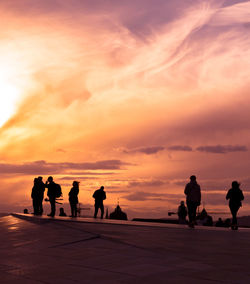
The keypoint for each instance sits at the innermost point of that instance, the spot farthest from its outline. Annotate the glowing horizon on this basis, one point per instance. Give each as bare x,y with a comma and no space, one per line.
139,95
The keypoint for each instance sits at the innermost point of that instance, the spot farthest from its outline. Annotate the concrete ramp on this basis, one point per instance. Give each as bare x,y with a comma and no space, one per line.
64,250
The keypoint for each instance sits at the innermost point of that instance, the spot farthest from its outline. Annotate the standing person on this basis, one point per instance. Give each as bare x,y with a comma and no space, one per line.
99,195
73,198
35,196
193,200
54,191
182,213
235,197
41,189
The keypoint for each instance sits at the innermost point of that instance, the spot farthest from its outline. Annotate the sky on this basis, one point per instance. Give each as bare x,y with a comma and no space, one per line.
133,95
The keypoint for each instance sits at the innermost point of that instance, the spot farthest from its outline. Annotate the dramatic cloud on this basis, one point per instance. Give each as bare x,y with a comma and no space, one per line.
77,178
145,150
143,196
222,149
43,167
143,89
153,183
180,148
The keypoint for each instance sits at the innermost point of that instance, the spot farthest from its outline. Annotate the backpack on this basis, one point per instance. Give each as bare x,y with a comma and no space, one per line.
58,190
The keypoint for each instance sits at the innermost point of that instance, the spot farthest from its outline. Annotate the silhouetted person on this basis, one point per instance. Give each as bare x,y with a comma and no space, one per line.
193,200
204,219
235,197
62,213
99,195
35,196
41,189
118,214
54,191
25,211
182,213
219,223
73,198
227,223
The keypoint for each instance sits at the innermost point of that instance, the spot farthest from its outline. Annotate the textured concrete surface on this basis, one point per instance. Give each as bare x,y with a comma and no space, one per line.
42,250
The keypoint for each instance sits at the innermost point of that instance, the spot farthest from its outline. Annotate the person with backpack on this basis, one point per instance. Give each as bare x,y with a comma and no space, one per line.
54,191
235,197
73,198
99,195
193,199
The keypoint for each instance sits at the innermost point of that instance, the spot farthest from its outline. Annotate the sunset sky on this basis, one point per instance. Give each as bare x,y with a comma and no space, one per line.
133,95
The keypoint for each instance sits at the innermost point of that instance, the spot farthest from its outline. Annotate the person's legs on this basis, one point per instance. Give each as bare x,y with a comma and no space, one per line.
190,211
74,210
194,210
102,210
34,206
234,209
53,207
192,207
40,207
96,210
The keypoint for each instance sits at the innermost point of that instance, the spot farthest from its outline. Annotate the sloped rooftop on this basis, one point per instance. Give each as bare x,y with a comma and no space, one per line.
62,250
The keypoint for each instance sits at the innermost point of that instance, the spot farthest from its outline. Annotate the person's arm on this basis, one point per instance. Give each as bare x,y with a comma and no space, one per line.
228,194
242,196
104,196
186,191
199,195
32,192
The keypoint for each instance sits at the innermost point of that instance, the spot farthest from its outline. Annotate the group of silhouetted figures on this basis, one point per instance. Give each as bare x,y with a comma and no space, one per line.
192,192
193,200
54,193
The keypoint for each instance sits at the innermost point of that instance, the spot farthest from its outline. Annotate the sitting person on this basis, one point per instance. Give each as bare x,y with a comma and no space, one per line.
62,213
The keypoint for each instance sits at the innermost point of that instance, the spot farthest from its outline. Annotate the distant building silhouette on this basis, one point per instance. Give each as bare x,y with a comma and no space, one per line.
118,214
204,219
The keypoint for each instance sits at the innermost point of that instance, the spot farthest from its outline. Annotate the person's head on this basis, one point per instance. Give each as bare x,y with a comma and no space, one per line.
235,184
193,178
102,187
40,178
35,180
75,183
182,203
61,210
25,211
50,179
